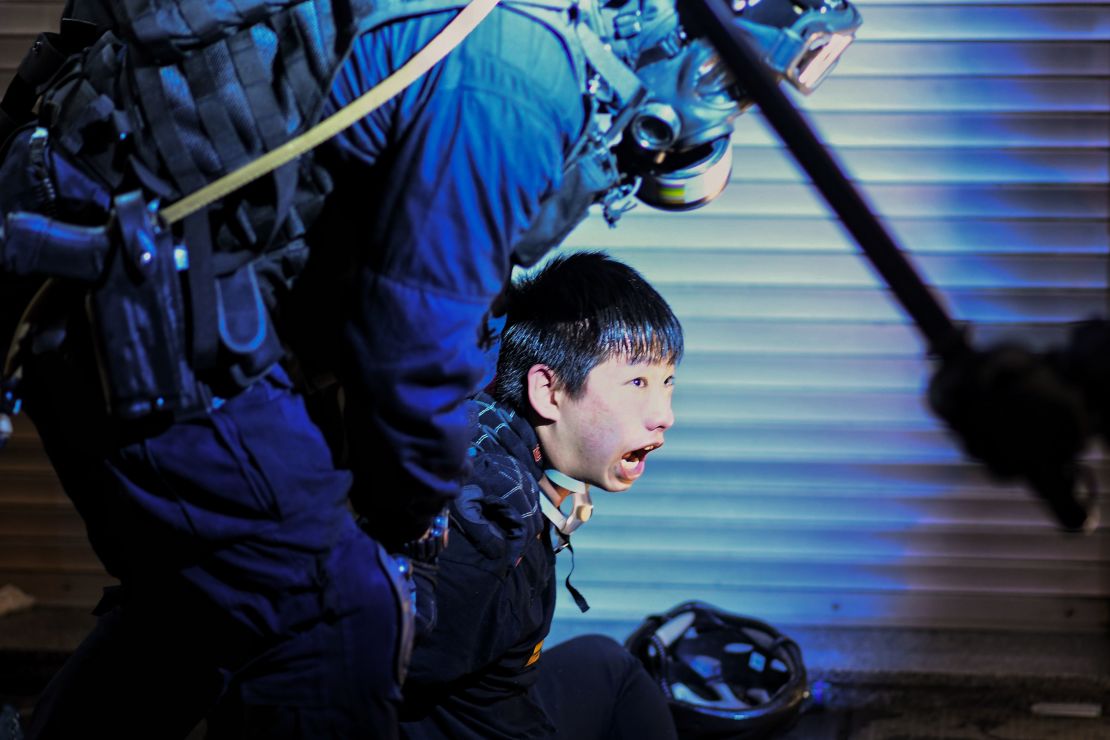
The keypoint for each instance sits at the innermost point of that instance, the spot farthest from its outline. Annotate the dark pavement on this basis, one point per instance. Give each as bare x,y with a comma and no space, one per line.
871,684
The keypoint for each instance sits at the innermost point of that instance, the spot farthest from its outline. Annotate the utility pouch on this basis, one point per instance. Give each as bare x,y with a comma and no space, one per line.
247,337
138,319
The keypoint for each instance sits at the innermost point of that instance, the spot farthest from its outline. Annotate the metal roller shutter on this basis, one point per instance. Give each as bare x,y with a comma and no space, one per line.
804,481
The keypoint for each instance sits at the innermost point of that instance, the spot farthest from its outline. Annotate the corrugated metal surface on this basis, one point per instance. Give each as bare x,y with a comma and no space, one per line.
804,481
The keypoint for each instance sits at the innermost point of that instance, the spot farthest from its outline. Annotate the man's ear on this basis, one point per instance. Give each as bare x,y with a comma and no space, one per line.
542,393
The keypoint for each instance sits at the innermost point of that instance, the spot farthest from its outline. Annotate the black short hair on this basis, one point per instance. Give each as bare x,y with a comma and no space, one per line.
575,313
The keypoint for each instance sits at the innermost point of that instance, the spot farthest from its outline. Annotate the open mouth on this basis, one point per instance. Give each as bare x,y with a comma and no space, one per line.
632,463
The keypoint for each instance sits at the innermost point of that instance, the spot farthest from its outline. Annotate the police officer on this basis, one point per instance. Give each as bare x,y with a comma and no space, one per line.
167,369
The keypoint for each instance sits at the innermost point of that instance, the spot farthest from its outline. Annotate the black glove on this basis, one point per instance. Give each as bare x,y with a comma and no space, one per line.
1085,362
423,555
1014,410
499,517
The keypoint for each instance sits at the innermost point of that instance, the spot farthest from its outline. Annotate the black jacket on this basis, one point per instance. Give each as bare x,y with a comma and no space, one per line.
495,595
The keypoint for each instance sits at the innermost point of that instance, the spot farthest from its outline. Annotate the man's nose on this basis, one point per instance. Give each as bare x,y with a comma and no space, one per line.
660,414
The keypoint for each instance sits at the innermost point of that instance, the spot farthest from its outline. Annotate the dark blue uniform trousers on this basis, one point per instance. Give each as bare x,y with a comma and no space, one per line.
243,576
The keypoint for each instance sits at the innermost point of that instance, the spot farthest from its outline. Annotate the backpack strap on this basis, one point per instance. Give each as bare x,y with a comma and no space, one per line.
447,39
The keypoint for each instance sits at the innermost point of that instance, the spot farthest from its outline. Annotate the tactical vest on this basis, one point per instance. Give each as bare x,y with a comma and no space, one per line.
177,93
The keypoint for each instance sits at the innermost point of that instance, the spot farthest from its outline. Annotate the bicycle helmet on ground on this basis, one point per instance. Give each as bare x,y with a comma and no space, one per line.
724,675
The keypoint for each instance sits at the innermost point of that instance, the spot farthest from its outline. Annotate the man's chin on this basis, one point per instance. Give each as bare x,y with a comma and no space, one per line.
617,485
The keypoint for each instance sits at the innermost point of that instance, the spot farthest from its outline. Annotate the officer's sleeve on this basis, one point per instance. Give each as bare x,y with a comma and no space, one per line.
460,162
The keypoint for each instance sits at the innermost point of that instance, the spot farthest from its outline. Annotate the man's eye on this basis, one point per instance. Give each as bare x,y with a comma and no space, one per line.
639,382
669,381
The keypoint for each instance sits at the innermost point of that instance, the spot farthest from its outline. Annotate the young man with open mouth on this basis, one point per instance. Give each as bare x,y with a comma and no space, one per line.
581,398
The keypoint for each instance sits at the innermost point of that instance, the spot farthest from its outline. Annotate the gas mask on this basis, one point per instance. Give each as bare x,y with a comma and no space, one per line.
676,141
801,40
